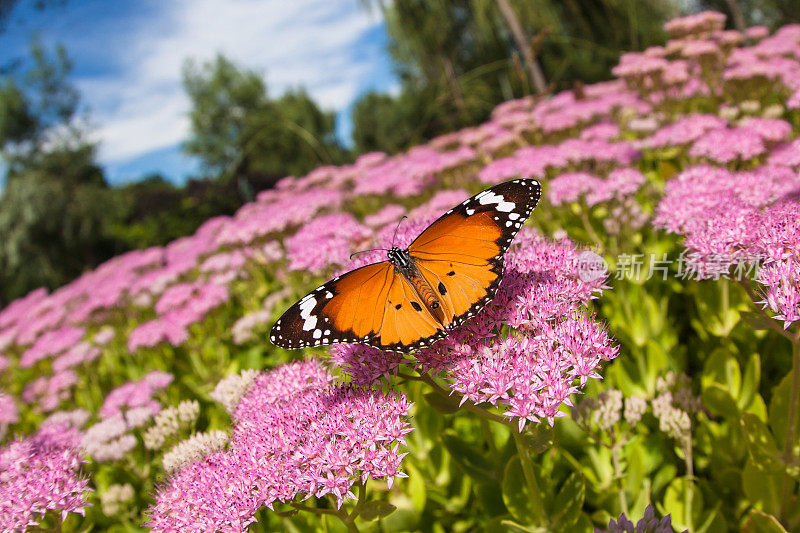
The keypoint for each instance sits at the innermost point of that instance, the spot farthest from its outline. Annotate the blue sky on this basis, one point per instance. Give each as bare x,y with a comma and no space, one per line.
128,56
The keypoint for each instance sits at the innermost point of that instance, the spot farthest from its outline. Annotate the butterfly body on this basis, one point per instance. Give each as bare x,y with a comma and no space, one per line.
406,266
445,276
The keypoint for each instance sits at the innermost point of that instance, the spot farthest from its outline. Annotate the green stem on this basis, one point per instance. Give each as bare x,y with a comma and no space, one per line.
725,301
587,225
362,499
687,453
623,500
791,425
540,517
489,436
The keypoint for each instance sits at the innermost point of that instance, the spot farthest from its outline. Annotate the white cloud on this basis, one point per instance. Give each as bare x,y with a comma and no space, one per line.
313,43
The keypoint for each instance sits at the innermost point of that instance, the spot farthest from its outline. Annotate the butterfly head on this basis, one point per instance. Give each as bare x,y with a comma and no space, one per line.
399,258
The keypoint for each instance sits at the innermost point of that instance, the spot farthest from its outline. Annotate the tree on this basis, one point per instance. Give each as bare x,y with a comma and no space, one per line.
391,124
50,231
40,113
463,56
524,45
56,210
237,130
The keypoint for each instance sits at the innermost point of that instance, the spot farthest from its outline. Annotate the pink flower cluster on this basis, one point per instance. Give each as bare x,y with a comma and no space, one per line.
527,351
728,218
295,434
324,241
47,393
695,25
180,306
572,186
51,343
136,394
41,474
537,161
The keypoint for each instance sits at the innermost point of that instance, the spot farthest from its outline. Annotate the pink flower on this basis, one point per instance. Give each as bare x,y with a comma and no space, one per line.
136,394
727,145
39,474
324,241
9,414
770,129
787,154
697,24
387,214
572,186
47,393
295,435
684,130
51,343
731,220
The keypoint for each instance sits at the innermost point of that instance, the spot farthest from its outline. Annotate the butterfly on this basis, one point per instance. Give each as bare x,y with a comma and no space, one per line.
414,297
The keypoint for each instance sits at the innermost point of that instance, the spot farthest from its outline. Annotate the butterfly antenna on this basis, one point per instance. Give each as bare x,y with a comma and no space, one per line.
397,228
370,250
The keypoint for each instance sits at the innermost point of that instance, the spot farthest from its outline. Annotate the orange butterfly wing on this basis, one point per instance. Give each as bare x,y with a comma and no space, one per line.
348,308
461,254
404,325
459,258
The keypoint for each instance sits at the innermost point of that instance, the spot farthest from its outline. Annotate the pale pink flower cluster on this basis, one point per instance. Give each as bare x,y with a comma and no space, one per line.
136,394
295,435
41,474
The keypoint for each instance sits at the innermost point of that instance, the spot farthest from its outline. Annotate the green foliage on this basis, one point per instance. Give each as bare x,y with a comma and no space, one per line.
50,230
384,123
237,130
155,211
56,211
458,59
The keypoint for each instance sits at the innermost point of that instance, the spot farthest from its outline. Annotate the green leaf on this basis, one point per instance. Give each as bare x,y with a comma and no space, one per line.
720,402
750,382
516,494
762,489
760,444
756,321
569,501
538,437
723,368
675,503
513,526
416,487
636,477
758,522
471,461
441,404
490,497
375,509
664,475
779,409
713,521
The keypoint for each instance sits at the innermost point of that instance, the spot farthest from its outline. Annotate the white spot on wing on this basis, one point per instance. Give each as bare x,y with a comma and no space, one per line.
307,305
488,197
